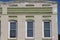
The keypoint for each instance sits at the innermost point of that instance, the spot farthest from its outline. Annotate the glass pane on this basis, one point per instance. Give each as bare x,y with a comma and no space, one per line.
12,33
47,33
46,29
29,33
13,29
30,29
29,25
46,25
12,25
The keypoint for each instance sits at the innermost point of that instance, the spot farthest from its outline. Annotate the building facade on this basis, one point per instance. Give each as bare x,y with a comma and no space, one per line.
28,21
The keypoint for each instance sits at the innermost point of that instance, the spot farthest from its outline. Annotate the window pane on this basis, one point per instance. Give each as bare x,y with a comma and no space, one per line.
46,24
47,33
29,33
30,29
13,29
12,25
29,24
46,29
12,33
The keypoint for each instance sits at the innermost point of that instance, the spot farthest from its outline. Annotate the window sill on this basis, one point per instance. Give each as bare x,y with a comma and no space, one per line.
47,38
11,38
29,37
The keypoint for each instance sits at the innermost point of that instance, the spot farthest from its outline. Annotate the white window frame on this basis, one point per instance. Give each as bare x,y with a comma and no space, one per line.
26,31
43,29
9,30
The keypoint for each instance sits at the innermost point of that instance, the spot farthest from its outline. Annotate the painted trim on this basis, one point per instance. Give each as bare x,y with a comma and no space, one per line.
29,13
9,30
43,29
12,17
35,9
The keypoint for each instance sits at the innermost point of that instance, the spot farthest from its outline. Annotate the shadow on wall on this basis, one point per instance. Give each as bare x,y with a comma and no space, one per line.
58,36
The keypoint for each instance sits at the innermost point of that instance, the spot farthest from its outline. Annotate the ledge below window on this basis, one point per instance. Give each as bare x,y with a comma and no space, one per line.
12,38
29,39
47,38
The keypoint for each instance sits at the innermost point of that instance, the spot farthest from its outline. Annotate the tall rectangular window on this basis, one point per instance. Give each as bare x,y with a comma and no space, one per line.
29,28
12,27
47,28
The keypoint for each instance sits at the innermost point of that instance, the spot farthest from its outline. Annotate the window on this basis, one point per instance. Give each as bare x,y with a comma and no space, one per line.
12,29
47,29
29,29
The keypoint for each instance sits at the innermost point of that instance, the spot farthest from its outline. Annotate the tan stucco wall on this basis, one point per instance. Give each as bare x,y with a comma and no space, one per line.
4,27
38,27
21,27
54,27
